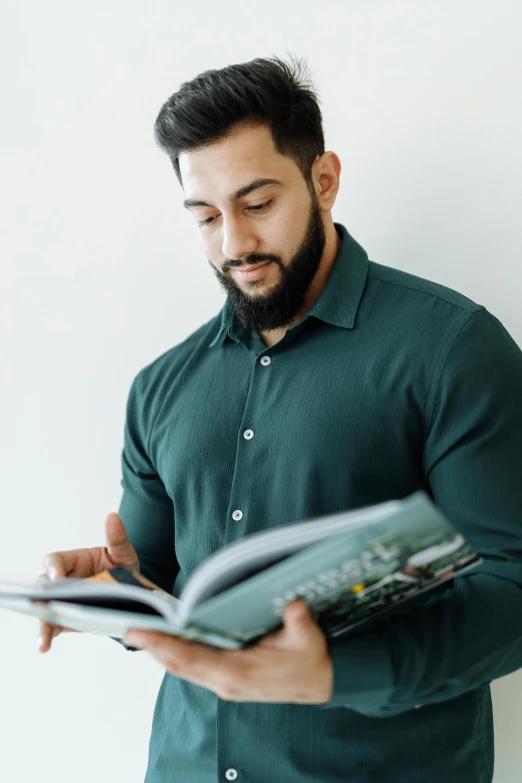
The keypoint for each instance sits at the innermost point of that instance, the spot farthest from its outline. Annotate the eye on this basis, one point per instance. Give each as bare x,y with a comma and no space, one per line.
257,208
261,207
205,222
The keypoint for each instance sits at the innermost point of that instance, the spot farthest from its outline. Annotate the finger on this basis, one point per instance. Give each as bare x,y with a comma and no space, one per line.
181,655
46,633
75,562
119,549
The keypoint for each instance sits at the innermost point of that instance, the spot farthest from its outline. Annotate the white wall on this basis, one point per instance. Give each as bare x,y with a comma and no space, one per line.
101,271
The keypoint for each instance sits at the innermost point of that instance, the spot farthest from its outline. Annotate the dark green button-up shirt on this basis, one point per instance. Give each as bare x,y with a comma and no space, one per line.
389,384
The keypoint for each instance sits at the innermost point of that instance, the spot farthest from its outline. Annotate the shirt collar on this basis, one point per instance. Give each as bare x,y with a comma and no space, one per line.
339,300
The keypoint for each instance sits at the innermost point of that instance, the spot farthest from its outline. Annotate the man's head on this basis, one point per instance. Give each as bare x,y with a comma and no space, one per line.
246,143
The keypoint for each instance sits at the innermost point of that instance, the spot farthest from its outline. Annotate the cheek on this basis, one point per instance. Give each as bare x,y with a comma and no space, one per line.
215,261
213,265
212,251
283,233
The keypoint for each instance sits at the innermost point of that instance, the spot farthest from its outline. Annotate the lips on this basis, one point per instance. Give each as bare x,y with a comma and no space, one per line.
251,268
252,273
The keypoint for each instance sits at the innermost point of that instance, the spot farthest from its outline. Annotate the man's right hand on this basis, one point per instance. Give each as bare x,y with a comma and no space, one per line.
81,563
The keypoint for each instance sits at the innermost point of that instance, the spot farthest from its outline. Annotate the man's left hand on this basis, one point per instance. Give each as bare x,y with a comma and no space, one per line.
290,665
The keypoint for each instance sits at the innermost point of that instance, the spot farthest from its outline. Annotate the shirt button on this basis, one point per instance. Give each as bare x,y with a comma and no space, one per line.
231,774
248,434
237,515
265,360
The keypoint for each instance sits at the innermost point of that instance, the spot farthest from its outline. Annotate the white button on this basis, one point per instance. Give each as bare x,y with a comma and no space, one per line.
237,515
231,774
248,434
265,360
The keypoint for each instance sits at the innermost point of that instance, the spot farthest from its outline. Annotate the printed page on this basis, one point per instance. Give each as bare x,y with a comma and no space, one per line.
256,552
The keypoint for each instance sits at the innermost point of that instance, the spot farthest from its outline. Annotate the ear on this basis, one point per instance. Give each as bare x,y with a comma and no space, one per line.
326,172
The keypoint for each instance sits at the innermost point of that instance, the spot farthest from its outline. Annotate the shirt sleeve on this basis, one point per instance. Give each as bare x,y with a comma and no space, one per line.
471,633
146,509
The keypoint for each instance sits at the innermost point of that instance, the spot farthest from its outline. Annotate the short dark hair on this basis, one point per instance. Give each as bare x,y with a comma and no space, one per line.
265,91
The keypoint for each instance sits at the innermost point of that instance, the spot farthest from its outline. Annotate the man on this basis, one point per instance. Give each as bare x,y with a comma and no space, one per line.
326,382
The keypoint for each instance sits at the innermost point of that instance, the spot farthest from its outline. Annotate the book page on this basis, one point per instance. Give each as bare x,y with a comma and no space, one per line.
255,552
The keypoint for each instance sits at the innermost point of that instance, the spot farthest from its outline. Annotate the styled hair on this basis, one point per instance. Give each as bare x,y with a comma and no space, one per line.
265,91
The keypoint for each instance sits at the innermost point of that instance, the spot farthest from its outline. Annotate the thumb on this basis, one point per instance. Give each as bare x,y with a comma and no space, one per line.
299,623
119,548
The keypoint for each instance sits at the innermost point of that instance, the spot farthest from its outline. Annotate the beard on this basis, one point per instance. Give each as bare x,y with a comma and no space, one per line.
282,303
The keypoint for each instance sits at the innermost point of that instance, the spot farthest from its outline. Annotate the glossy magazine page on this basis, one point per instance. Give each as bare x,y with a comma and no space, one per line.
348,567
348,578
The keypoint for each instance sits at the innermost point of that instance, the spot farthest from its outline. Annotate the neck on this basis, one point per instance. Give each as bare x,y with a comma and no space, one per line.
331,249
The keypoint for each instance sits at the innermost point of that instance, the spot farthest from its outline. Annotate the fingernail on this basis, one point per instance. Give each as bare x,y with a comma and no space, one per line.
53,573
40,642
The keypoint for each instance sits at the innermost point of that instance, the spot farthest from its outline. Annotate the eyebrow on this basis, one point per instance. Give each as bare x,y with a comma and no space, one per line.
244,191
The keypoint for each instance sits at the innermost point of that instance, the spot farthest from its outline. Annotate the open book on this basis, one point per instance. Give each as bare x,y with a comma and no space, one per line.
349,567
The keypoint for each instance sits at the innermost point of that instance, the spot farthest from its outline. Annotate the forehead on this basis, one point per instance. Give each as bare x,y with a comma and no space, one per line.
245,154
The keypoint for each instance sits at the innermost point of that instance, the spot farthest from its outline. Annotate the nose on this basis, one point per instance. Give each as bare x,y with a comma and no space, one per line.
238,240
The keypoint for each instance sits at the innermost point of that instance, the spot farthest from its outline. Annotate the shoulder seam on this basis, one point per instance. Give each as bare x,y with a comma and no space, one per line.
429,293
435,388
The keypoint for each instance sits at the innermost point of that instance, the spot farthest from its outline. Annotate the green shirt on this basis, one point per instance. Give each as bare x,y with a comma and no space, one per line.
389,384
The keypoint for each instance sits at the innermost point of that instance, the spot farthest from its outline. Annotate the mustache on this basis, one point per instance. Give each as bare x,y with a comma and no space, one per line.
250,261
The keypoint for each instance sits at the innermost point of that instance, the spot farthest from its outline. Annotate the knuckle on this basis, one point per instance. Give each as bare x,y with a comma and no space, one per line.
173,668
230,685
228,693
225,692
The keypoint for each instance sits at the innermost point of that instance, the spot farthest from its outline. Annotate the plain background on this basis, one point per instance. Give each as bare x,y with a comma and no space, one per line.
101,271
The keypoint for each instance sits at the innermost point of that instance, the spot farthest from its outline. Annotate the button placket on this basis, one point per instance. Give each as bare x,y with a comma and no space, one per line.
248,434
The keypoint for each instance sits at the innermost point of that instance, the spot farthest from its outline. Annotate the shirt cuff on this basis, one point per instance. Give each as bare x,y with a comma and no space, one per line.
362,674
